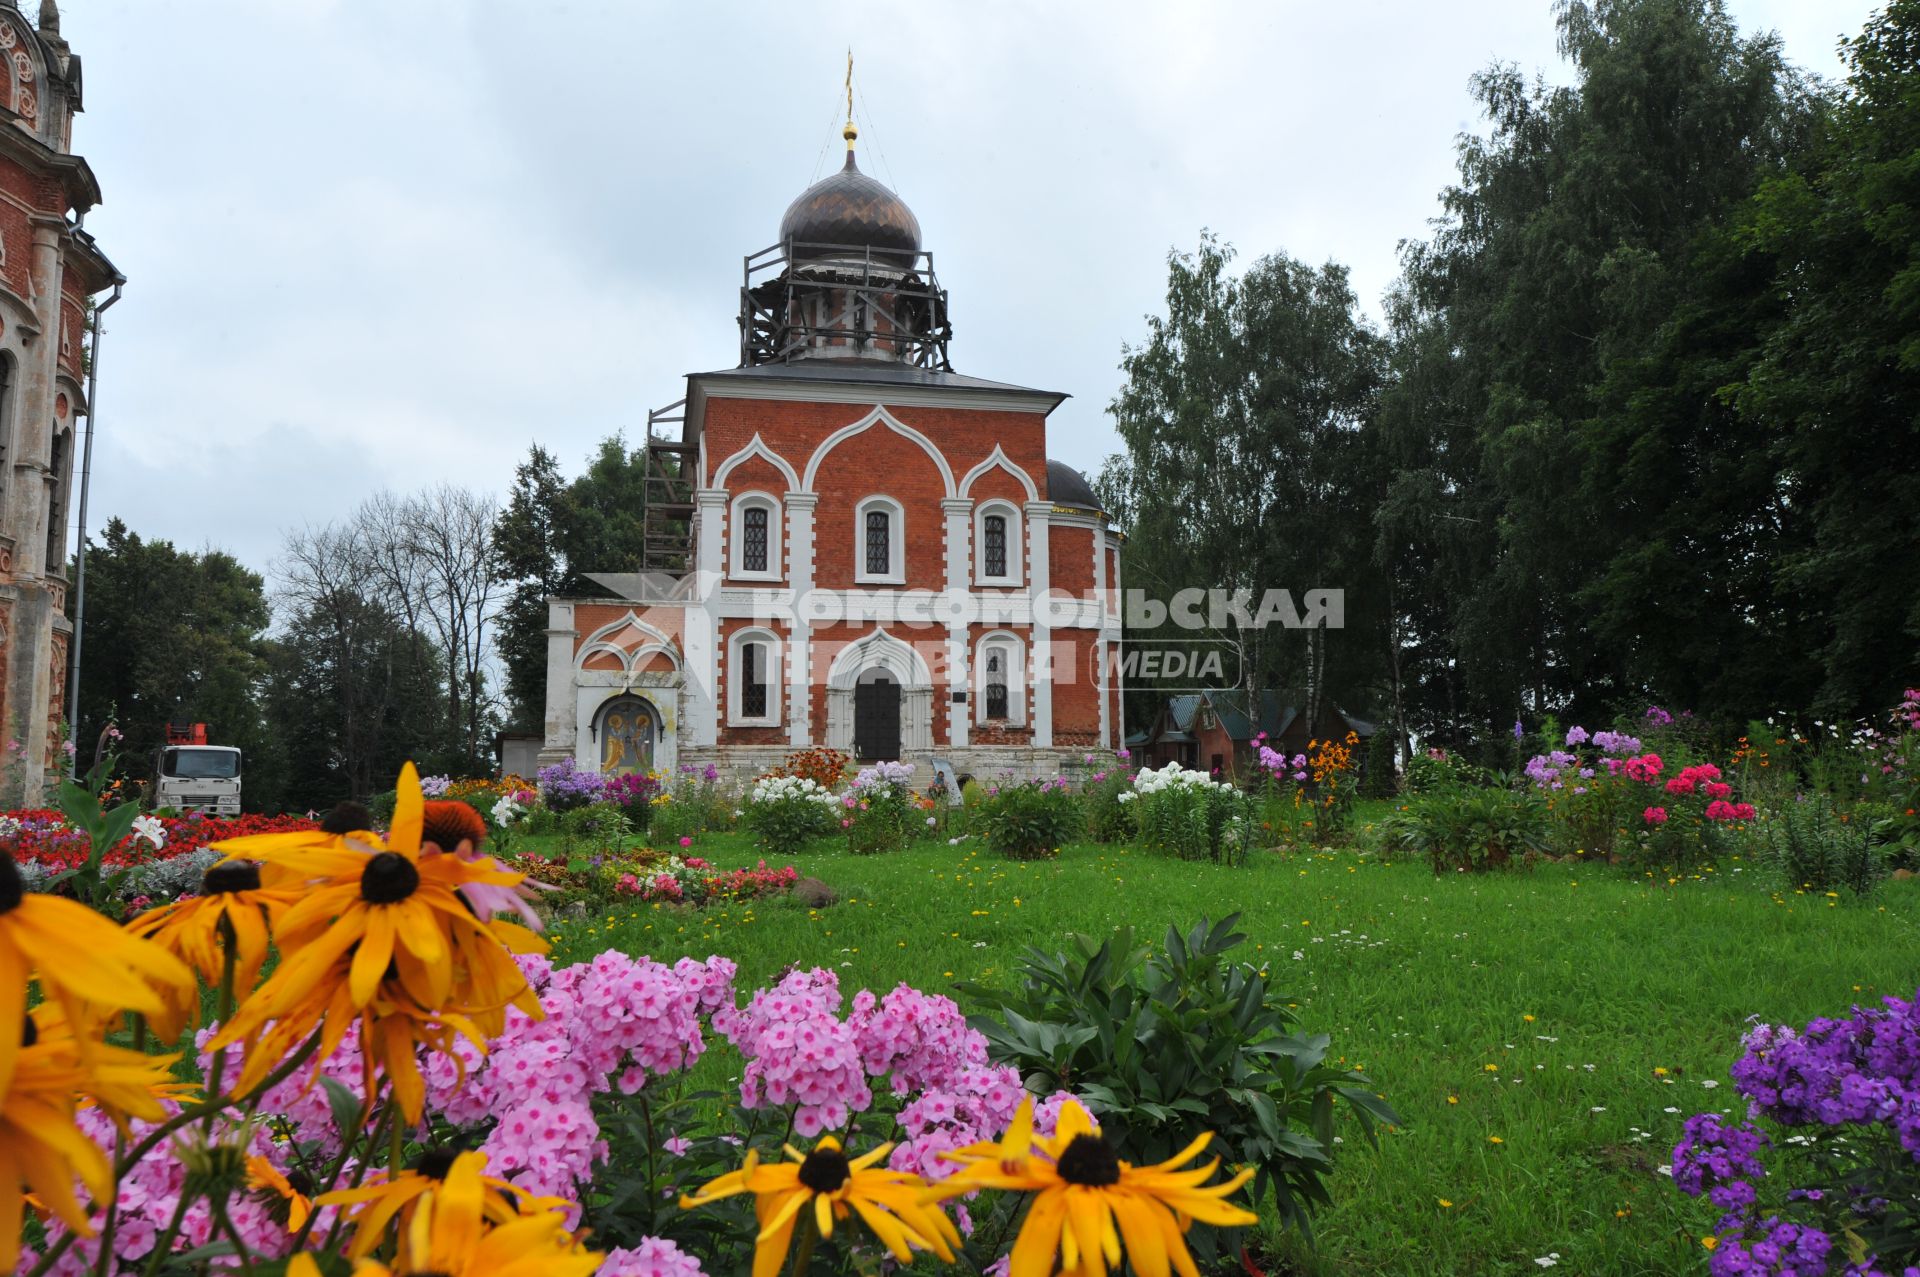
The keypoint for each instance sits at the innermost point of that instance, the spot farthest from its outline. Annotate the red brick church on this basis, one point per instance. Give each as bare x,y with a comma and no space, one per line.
849,543
49,268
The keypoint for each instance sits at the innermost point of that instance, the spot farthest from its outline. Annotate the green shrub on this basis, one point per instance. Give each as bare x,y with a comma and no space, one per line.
1471,829
1029,821
1807,845
1168,1044
1109,820
597,825
1380,780
673,821
1436,769
785,813
1190,815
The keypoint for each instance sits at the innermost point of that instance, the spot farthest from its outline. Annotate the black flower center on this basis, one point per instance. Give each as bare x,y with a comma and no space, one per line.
346,818
388,879
12,889
436,1162
825,1170
1089,1160
236,876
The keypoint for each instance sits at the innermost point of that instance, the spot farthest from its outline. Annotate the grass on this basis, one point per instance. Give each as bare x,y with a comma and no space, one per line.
1543,1034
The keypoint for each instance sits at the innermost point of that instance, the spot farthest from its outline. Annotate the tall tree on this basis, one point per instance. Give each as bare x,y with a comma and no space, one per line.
549,537
173,634
526,553
1834,384
1568,247
1242,416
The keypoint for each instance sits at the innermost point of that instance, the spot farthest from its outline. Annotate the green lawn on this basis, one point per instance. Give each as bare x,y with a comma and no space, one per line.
1543,1034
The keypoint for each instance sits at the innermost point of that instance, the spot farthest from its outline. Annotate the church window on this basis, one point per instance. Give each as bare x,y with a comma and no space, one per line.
753,661
999,687
879,543
996,539
754,543
753,555
996,545
753,674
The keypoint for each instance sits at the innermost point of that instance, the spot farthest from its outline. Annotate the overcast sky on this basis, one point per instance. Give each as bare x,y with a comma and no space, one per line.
389,242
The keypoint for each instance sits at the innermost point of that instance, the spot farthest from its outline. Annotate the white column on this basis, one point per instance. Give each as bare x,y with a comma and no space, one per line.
561,726
1099,539
960,611
800,507
703,618
1112,625
1040,667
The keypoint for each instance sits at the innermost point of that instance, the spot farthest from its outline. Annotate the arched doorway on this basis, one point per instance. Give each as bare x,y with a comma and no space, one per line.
626,731
876,715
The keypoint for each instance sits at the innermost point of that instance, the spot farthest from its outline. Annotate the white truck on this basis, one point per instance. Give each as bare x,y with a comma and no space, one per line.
198,778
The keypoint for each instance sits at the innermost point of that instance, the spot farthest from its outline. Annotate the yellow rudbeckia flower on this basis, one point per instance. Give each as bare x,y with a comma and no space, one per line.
449,1235
1088,1201
371,1208
86,965
394,918
42,1151
892,1204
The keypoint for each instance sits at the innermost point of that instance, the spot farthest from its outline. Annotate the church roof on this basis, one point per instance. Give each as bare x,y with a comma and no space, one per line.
853,211
881,372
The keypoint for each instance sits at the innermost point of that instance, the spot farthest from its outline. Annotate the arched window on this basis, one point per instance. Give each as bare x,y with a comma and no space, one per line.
753,688
756,537
1001,689
996,539
880,552
59,463
6,419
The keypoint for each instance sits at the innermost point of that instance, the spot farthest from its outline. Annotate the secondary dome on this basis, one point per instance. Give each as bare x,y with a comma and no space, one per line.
1068,487
851,211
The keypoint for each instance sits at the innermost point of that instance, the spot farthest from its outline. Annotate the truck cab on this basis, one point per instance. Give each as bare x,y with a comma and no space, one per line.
198,778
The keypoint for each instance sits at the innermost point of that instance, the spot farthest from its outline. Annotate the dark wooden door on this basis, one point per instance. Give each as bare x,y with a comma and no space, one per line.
876,719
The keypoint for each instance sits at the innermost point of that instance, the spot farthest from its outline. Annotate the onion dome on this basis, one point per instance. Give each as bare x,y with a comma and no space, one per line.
1068,487
854,212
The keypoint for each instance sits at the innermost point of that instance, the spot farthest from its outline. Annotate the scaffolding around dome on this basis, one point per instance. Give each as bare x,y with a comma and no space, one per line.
813,300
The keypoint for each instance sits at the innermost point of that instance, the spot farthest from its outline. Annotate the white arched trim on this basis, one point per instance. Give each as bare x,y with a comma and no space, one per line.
1012,649
879,416
651,642
737,536
1000,459
756,447
768,671
896,573
1015,544
881,649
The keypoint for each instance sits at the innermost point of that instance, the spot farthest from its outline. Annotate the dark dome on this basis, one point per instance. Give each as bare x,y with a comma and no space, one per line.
1067,486
853,211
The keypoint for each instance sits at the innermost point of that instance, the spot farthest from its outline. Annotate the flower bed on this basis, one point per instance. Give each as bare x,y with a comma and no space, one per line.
38,836
1823,1175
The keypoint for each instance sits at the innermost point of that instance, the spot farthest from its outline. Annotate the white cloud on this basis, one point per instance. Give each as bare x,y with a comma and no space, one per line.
389,244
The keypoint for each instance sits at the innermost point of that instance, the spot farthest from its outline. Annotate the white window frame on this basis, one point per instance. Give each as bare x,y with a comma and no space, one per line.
1014,648
1016,544
736,685
737,541
896,542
